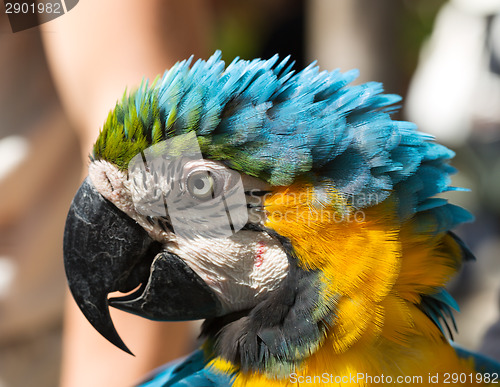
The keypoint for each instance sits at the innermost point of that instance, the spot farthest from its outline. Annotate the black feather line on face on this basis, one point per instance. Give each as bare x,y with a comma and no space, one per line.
278,333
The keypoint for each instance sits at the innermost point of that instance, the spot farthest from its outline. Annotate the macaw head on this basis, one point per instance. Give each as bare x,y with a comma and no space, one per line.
287,210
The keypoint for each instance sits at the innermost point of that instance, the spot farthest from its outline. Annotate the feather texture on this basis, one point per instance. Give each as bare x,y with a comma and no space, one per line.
262,119
353,192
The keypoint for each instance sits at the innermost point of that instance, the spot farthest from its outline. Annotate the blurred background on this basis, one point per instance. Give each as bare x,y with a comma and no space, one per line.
58,82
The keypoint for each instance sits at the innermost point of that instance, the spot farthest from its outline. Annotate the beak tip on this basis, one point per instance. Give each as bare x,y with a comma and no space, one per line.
124,348
117,341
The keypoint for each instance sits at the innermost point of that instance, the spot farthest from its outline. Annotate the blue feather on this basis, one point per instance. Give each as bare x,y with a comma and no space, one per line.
261,118
482,364
191,371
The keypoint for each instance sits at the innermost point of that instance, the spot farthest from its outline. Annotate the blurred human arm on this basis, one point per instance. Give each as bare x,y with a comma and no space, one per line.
95,51
99,48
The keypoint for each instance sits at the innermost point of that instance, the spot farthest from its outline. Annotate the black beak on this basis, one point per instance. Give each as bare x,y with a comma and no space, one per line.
106,251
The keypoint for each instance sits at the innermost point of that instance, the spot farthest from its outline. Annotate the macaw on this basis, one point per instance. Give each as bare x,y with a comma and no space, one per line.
287,210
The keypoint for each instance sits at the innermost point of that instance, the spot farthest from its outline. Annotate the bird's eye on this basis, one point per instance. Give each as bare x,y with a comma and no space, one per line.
201,185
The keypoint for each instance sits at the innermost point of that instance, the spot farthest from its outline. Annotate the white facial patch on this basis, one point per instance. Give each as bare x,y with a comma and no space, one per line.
241,269
198,197
114,186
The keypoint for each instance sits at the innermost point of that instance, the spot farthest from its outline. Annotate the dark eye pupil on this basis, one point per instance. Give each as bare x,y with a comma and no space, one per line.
199,183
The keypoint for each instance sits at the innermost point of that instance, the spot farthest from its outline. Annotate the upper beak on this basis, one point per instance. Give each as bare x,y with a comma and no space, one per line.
106,251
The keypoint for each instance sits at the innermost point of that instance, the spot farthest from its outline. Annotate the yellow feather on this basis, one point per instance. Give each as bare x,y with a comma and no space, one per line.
374,269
